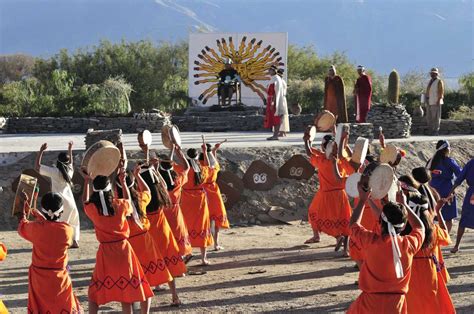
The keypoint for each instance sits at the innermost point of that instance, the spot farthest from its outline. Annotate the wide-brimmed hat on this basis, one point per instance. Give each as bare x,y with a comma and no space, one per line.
381,181
434,70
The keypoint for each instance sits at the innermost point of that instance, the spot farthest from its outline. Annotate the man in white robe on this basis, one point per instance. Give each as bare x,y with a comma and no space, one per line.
277,103
285,121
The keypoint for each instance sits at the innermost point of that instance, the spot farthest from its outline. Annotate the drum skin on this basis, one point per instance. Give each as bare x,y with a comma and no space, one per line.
102,158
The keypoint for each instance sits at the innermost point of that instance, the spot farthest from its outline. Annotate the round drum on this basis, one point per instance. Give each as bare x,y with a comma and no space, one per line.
326,121
389,154
170,135
102,158
312,133
360,150
381,181
144,138
351,184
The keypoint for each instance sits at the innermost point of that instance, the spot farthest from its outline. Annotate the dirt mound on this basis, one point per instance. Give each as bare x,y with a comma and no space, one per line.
291,194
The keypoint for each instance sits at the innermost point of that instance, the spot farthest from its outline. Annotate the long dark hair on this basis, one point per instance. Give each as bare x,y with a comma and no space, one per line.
396,214
131,185
440,155
159,194
63,163
100,183
425,217
192,155
166,166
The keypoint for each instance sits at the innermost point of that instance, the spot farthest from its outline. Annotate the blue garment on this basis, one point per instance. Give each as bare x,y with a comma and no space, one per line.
467,215
442,177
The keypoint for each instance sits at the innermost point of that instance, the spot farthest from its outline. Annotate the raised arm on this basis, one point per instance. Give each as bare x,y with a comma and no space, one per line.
438,207
142,186
123,182
359,209
86,192
181,158
413,219
69,151
39,156
204,151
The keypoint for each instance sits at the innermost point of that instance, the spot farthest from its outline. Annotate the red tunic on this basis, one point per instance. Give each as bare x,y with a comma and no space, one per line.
363,88
270,119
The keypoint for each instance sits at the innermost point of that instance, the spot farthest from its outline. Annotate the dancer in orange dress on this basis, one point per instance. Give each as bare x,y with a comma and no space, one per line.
159,228
49,284
370,216
423,177
427,292
142,242
118,275
385,273
217,212
3,255
194,204
175,175
330,209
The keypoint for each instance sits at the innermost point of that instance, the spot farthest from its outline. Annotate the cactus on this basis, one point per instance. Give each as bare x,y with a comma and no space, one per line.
393,87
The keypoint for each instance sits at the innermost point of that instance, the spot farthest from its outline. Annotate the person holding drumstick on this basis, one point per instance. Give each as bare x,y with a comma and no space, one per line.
61,182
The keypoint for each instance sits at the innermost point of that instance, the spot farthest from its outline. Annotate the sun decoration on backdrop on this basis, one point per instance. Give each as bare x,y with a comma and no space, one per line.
250,61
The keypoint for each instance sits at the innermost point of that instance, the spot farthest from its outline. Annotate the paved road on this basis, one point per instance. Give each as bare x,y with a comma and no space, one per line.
32,142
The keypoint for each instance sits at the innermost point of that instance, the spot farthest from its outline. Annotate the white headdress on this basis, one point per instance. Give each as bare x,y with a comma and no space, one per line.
397,263
108,188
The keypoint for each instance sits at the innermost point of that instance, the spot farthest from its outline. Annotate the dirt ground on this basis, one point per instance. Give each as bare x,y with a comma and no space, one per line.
262,269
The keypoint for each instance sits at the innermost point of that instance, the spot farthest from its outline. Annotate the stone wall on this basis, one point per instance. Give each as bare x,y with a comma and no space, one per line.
394,119
81,125
448,127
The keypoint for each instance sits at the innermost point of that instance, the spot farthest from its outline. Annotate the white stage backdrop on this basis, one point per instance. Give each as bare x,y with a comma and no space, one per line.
252,54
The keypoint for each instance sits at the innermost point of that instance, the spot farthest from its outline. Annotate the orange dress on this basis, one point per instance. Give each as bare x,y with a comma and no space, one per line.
217,212
3,251
369,222
166,243
196,211
330,209
444,271
118,275
142,242
3,255
174,214
382,291
427,291
49,284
